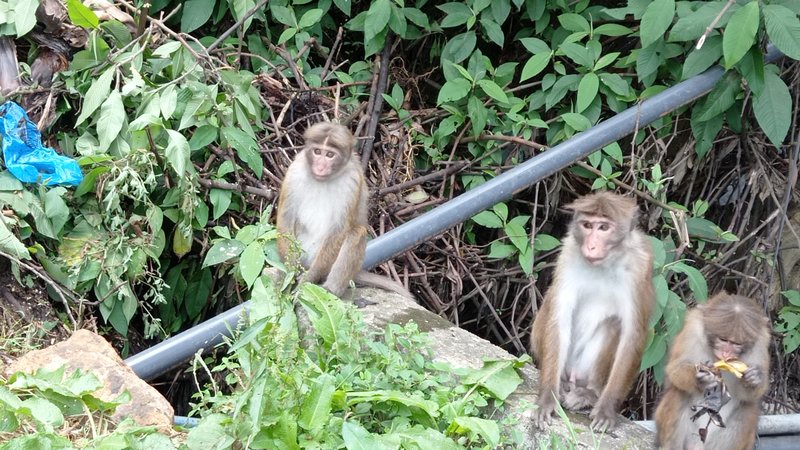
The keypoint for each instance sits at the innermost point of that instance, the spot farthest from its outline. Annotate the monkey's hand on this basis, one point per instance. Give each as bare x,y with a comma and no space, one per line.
705,378
753,377
604,417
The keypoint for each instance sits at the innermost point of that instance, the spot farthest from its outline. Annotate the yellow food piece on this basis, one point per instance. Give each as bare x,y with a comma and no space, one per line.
733,366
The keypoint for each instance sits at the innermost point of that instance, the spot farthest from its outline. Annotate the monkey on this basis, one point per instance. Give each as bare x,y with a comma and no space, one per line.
323,204
590,332
728,328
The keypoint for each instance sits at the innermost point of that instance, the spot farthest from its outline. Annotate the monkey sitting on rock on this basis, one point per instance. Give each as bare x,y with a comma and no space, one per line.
323,205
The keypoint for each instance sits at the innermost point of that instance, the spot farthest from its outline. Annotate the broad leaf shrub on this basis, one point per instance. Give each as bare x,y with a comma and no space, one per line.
343,386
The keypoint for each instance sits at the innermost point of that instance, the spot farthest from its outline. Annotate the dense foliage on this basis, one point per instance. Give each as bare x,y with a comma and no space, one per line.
184,130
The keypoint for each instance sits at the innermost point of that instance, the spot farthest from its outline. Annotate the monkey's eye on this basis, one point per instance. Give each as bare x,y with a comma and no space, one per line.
587,225
330,154
317,151
604,227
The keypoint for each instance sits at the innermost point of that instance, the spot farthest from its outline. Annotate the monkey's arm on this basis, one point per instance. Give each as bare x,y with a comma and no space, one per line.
686,355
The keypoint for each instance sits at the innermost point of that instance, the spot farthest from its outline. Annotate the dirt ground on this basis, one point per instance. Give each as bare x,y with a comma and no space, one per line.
28,319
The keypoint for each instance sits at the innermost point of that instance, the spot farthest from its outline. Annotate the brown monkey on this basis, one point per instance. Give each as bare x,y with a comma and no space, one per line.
729,328
589,335
323,204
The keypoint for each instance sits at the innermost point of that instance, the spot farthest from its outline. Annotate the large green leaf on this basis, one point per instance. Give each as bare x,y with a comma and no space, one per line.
96,95
741,32
722,97
587,91
81,15
112,117
493,90
10,244
178,152
783,29
24,15
453,90
195,14
251,262
655,21
773,108
377,18
535,65
222,251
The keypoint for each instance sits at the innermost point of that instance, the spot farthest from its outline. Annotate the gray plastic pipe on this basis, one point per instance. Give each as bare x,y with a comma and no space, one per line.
179,348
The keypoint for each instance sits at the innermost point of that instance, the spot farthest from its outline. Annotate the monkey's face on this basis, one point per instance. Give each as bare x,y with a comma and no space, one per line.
597,236
324,161
725,349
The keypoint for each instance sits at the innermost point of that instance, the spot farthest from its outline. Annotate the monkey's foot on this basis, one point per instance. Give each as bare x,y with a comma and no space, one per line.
579,398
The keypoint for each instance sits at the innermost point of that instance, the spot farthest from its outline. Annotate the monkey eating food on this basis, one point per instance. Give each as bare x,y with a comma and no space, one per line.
733,331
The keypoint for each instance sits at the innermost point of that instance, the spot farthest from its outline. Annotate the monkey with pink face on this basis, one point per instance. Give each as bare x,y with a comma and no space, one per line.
323,205
590,332
725,328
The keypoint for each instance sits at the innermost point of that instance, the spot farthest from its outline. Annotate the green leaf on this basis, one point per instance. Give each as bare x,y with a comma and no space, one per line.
112,117
574,22
499,250
655,21
251,262
168,101
283,15
453,90
743,27
700,60
493,90
535,64
577,121
356,437
773,108
577,53
310,18
493,31
783,29
203,136
587,91
487,429
24,15
344,6
691,26
220,199
177,152
316,409
616,83
697,283
96,95
456,14
80,15
10,244
43,411
488,219
195,13
654,353
612,29
545,242
377,18
518,235
605,60
459,47
222,251
246,148
722,97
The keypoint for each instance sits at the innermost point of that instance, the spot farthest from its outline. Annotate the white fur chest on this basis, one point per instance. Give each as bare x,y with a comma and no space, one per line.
589,295
320,211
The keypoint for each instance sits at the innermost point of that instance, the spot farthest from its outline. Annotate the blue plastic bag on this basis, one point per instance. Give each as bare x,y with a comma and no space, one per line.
25,156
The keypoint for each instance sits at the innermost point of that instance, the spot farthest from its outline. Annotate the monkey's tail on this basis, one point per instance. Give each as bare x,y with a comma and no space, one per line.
379,281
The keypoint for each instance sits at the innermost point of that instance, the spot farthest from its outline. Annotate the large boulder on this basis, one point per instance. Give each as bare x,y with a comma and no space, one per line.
91,353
